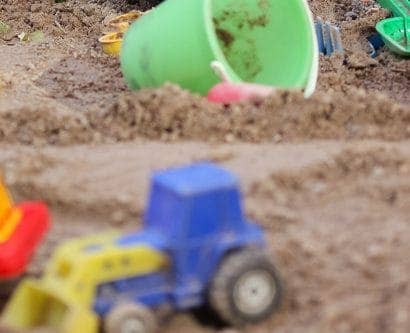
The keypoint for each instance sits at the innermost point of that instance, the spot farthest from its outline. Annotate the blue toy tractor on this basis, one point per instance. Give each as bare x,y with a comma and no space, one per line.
196,248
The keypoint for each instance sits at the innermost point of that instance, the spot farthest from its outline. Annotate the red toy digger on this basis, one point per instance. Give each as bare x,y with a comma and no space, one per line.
22,227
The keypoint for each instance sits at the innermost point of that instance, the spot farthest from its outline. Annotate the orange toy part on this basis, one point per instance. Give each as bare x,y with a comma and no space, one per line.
9,215
5,201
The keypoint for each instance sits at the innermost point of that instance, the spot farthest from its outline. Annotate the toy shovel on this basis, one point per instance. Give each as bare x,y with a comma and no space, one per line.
395,31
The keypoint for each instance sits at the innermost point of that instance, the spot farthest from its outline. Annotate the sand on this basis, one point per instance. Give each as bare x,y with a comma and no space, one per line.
327,178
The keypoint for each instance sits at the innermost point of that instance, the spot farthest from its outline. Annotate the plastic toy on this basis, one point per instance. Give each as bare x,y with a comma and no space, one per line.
375,42
111,41
195,248
228,92
21,229
395,31
122,22
329,39
266,42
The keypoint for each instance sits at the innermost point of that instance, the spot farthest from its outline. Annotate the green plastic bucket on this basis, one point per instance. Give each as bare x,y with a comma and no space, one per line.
270,42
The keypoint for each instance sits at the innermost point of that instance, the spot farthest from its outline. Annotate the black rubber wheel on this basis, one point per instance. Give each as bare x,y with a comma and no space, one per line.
130,318
246,288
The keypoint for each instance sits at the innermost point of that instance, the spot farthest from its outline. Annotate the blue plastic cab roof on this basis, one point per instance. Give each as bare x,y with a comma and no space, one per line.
195,179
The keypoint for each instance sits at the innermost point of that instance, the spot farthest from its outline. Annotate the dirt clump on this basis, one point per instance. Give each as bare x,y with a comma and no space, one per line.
40,125
353,70
54,18
369,245
171,114
77,81
364,170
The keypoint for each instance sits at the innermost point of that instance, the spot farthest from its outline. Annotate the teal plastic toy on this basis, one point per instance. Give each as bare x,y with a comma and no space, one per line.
395,31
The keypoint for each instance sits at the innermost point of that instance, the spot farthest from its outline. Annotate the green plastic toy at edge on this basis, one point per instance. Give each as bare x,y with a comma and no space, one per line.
271,42
395,31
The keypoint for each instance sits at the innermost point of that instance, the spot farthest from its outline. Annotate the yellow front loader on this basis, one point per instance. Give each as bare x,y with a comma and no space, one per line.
62,300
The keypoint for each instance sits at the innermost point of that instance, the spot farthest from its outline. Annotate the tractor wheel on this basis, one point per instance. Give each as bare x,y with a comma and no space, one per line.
246,288
130,318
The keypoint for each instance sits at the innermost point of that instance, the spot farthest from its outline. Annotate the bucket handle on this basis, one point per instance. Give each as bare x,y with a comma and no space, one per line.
220,71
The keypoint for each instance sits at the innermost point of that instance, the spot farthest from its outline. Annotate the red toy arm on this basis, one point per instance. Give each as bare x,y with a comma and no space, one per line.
16,252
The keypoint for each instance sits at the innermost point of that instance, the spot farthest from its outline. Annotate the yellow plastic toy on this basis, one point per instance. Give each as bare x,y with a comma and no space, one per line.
111,43
121,23
62,299
112,40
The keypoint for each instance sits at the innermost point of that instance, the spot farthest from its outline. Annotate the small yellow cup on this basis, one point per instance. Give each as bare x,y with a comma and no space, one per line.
111,43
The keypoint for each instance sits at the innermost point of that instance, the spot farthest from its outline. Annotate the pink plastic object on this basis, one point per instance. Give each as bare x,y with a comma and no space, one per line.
227,92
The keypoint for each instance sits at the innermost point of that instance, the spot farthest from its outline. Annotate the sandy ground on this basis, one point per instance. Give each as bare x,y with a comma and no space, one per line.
327,178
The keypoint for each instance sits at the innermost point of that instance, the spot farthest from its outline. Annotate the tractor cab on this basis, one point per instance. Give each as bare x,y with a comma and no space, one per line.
195,204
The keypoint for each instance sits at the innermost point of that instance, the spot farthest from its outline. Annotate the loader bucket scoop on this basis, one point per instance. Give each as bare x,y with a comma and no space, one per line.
33,307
